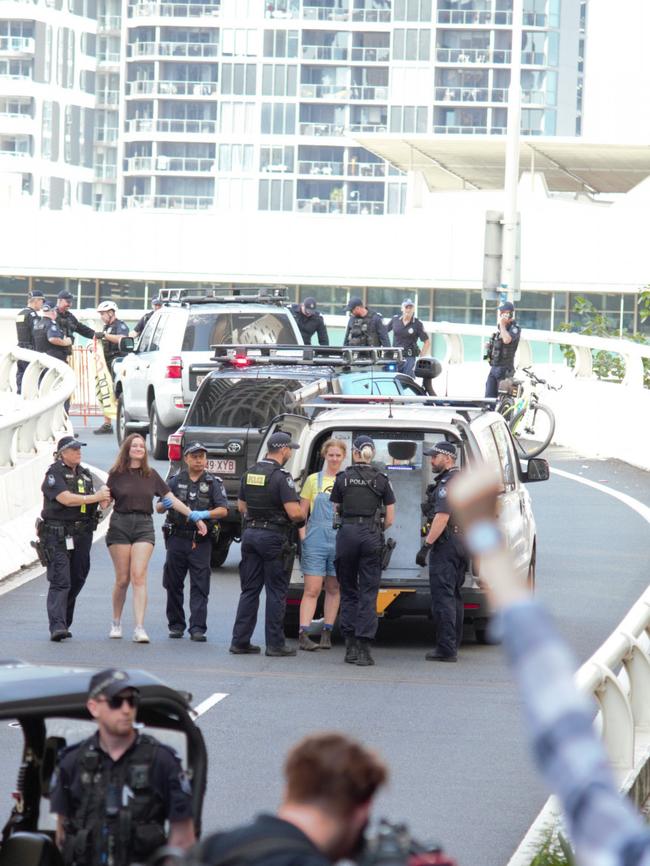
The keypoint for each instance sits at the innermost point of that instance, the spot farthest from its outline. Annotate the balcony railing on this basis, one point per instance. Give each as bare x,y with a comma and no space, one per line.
534,58
343,91
324,52
474,17
322,129
366,127
461,130
109,22
110,58
366,169
472,55
370,55
311,167
170,164
536,19
140,124
17,115
173,49
364,208
372,16
171,88
108,97
106,136
174,10
105,172
324,13
17,45
354,168
21,75
484,94
169,202
18,153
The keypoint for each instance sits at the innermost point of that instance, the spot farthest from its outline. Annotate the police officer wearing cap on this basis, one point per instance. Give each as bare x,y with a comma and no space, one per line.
156,304
270,507
501,350
114,792
310,322
114,330
365,505
407,331
365,327
25,321
65,531
447,558
204,495
69,324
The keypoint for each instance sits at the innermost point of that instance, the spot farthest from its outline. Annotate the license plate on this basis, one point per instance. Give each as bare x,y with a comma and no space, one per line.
225,467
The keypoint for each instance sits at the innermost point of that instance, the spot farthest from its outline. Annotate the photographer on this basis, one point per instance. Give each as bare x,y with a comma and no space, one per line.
502,348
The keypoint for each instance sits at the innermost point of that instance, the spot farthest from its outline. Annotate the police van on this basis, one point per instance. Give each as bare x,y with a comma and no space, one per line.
402,427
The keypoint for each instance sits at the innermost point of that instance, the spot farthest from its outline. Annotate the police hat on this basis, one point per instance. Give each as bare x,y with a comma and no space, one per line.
193,447
281,440
354,302
65,296
156,302
362,440
37,293
442,447
68,442
309,304
109,683
407,302
507,307
48,306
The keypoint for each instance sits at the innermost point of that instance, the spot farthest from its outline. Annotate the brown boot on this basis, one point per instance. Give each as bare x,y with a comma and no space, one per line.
306,643
326,638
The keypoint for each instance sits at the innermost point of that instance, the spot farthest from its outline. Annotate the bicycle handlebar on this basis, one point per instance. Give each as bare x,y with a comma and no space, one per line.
537,381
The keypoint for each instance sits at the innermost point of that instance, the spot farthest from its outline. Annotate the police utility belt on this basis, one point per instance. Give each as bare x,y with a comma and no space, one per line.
363,520
67,529
260,523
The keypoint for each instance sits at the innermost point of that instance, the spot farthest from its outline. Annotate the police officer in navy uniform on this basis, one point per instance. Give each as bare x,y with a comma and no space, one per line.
68,323
407,331
447,559
310,322
68,515
365,504
25,321
156,304
114,330
501,349
113,792
365,328
204,494
270,507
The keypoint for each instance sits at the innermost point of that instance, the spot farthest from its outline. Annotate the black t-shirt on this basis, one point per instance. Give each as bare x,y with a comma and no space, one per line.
132,491
310,325
406,336
300,851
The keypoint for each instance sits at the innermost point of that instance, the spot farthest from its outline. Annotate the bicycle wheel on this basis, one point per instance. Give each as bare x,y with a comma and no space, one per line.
532,429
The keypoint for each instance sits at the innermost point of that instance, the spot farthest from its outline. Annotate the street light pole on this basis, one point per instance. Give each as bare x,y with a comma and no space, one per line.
511,179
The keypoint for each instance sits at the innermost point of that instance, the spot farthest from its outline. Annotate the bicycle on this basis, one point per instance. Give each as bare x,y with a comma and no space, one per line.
531,423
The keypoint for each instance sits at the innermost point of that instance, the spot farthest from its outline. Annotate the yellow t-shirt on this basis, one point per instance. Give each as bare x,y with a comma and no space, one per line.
310,487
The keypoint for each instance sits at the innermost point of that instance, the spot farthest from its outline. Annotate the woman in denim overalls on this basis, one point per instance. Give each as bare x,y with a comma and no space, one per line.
319,546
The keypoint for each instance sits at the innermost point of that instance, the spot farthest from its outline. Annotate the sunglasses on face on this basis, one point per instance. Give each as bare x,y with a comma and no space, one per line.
115,703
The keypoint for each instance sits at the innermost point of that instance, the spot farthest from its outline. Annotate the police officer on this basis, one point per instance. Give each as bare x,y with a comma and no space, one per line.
362,495
66,531
186,548
502,348
113,792
25,321
310,322
114,330
50,339
69,324
407,330
156,304
270,508
365,328
448,560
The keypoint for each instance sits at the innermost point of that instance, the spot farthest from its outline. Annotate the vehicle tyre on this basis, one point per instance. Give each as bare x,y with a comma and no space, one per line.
122,427
220,548
157,434
533,429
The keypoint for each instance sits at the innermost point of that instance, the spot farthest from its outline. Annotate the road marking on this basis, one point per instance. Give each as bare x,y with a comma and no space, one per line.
208,703
641,509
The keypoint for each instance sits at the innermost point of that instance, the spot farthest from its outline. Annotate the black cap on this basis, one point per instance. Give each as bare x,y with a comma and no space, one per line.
37,293
193,447
507,307
65,296
309,303
281,440
48,306
442,447
109,683
68,442
156,302
362,440
354,302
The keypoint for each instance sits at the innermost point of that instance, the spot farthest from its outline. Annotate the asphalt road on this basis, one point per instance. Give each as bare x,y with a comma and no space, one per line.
452,734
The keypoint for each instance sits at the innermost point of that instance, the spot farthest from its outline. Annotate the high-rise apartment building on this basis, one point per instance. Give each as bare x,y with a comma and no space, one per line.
255,104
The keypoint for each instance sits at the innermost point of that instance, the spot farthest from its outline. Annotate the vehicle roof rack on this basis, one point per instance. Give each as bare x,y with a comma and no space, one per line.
306,356
194,295
458,404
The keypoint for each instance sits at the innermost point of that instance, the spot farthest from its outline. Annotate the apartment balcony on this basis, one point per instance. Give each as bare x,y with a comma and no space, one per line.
366,169
173,49
171,88
105,173
534,58
105,206
343,92
21,75
109,23
473,56
108,58
171,125
324,13
107,98
474,17
365,208
316,205
169,164
322,129
372,54
372,16
106,136
320,167
460,130
169,202
487,95
537,19
366,127
17,46
324,52
174,10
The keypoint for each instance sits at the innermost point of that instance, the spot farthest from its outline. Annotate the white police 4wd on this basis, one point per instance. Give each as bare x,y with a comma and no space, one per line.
401,428
154,387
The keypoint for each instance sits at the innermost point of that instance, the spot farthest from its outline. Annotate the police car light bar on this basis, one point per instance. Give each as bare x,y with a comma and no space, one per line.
197,295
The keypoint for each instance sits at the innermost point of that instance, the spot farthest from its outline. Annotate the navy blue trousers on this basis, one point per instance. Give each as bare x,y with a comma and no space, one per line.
261,567
358,570
66,574
181,558
446,577
495,375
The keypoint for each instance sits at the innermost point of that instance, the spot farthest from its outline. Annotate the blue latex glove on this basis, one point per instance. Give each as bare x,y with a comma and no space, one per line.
167,501
195,516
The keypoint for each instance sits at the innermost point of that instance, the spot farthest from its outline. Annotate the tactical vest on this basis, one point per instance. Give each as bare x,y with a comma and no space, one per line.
67,323
261,504
453,529
112,350
502,354
362,332
76,482
24,327
361,494
39,334
120,817
197,495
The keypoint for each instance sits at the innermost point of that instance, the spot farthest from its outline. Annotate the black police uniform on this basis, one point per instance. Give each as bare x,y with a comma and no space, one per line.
368,330
265,487
25,321
112,350
67,534
139,328
310,325
361,491
502,358
406,336
114,811
267,841
69,324
187,550
447,568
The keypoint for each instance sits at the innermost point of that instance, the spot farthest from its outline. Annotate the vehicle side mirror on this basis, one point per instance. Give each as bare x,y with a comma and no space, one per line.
427,368
127,344
535,469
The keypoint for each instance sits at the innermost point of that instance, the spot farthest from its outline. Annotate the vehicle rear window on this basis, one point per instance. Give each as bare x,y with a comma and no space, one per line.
232,402
209,329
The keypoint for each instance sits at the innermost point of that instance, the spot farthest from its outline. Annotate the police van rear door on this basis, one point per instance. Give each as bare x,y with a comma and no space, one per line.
297,426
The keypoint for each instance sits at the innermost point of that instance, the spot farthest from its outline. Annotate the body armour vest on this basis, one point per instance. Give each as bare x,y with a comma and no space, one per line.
428,506
362,496
362,332
24,325
76,482
195,494
39,334
261,504
120,817
503,354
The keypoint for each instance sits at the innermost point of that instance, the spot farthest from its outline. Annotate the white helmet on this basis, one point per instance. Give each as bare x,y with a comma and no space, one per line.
106,307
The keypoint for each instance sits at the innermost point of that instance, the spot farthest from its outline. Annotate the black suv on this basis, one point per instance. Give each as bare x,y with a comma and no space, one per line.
246,387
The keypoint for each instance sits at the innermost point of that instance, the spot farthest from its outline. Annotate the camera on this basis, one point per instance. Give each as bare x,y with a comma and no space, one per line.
393,845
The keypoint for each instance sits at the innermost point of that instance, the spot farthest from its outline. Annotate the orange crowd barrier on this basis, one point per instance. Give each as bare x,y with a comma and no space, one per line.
84,398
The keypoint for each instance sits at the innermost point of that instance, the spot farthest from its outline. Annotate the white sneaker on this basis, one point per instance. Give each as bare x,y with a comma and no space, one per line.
116,630
140,635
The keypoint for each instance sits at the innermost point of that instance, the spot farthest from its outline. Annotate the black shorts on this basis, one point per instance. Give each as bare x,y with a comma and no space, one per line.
130,528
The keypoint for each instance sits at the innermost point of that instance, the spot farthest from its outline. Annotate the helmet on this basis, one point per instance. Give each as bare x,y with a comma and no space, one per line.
106,307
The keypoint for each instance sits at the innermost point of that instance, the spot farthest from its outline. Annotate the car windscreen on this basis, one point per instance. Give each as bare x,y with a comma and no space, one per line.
205,329
226,401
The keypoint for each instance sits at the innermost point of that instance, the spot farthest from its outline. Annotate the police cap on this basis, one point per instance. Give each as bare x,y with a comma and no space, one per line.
156,302
65,296
193,447
354,302
68,442
442,447
281,440
362,440
37,293
48,306
507,307
309,304
407,302
109,682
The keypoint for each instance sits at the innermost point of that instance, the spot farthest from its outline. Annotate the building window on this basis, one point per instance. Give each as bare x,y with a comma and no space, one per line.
237,117
413,10
238,79
279,80
278,118
276,158
408,118
276,195
239,43
411,44
280,43
46,131
236,157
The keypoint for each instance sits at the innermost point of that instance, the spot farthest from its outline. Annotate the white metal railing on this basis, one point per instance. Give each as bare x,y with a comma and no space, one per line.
17,44
174,10
109,22
38,415
324,52
147,124
173,49
474,17
170,202
473,55
343,91
171,88
376,16
181,164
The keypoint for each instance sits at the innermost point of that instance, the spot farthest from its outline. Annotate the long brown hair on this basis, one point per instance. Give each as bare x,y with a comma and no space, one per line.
123,460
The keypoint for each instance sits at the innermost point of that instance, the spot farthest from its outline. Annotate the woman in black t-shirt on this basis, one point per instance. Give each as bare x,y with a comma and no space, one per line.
130,537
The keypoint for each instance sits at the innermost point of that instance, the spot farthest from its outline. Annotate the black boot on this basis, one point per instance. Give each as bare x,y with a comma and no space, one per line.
364,659
351,650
